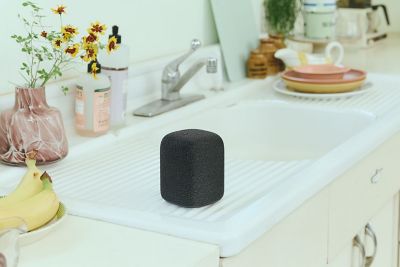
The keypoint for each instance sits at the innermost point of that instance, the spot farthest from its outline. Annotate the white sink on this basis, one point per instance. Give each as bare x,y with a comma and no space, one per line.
274,130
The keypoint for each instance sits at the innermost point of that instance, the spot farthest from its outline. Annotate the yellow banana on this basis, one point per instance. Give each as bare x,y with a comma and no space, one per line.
29,186
34,211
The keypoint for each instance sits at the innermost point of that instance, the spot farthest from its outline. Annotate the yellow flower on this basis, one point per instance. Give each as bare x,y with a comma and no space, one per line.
94,70
68,32
97,28
91,53
89,40
59,10
72,50
112,44
57,42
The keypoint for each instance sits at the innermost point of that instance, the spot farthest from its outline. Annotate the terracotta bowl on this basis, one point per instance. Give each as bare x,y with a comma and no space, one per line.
320,72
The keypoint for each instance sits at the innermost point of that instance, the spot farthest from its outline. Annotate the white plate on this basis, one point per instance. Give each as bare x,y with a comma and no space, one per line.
36,235
280,87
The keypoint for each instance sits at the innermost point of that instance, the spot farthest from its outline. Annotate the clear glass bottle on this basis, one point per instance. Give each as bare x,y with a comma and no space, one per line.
92,102
10,230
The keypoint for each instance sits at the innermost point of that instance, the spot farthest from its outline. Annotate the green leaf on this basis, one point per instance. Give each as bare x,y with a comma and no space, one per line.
64,89
281,15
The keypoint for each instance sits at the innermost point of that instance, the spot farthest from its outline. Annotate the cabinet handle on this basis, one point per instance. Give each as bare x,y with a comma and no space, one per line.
357,243
377,176
370,233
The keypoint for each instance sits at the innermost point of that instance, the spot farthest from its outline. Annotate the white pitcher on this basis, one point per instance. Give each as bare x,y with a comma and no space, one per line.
293,58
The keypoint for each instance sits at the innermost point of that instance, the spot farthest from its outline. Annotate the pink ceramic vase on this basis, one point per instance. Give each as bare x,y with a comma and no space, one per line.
32,125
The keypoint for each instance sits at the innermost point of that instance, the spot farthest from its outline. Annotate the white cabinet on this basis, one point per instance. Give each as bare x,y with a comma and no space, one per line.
361,192
375,244
385,227
321,232
300,240
352,255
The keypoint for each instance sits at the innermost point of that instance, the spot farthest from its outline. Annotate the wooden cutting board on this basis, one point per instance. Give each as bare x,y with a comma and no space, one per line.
238,34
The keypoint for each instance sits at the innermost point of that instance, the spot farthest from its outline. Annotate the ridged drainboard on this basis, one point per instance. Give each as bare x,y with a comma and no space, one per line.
127,176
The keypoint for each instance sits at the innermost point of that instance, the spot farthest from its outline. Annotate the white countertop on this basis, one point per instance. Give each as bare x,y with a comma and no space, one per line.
83,242
383,57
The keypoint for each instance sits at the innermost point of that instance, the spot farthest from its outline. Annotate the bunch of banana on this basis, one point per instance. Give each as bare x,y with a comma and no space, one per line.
34,200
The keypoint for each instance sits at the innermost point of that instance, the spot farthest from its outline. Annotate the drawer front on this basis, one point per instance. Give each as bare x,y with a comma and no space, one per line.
359,194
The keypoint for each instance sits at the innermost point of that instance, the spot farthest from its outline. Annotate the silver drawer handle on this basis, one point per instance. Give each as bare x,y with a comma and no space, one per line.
370,233
357,243
377,176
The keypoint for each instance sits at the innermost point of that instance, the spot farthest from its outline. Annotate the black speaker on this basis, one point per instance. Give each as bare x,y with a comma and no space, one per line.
192,168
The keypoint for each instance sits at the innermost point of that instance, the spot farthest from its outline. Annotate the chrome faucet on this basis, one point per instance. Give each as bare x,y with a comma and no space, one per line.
172,82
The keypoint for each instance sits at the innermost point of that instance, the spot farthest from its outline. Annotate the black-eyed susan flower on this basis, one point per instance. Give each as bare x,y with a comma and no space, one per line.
57,42
72,50
94,69
112,44
90,53
97,28
43,34
69,32
59,10
89,40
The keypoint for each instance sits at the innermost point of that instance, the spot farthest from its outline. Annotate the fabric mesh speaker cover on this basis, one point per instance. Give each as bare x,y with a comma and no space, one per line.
192,168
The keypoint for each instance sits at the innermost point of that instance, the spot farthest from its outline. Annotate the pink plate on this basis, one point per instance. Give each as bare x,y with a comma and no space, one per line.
322,71
350,76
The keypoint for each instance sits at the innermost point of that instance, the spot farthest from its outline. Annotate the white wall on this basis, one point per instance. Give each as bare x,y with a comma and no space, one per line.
152,28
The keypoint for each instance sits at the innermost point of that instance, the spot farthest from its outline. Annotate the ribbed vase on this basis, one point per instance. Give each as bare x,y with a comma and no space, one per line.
32,125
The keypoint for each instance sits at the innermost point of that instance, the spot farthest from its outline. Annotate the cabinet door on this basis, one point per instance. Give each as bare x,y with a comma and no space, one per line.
299,240
352,255
359,195
383,227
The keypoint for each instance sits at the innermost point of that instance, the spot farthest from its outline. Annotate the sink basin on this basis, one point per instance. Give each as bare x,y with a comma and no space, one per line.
277,131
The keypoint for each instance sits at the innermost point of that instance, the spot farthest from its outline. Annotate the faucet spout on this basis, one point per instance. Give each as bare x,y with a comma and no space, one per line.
211,68
172,83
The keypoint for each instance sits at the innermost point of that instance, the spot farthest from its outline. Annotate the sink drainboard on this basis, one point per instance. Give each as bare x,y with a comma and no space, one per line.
125,177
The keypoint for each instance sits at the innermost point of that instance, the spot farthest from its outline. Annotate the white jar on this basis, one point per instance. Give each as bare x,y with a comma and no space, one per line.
319,19
319,5
319,25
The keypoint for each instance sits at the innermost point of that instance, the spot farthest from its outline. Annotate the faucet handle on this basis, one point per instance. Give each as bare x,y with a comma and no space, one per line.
174,65
195,44
212,65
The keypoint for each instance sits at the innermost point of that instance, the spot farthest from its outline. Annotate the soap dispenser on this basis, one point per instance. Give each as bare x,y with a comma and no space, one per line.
115,66
92,102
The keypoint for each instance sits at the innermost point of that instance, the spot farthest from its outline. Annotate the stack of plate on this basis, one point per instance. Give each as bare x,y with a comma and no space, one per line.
323,79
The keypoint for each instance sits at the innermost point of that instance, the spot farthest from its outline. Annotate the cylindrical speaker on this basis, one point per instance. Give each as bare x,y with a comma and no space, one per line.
192,168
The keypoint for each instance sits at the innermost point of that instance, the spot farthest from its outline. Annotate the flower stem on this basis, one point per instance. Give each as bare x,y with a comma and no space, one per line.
32,83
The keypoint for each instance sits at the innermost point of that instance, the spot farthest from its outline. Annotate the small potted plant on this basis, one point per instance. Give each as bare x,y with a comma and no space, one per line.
281,16
32,124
